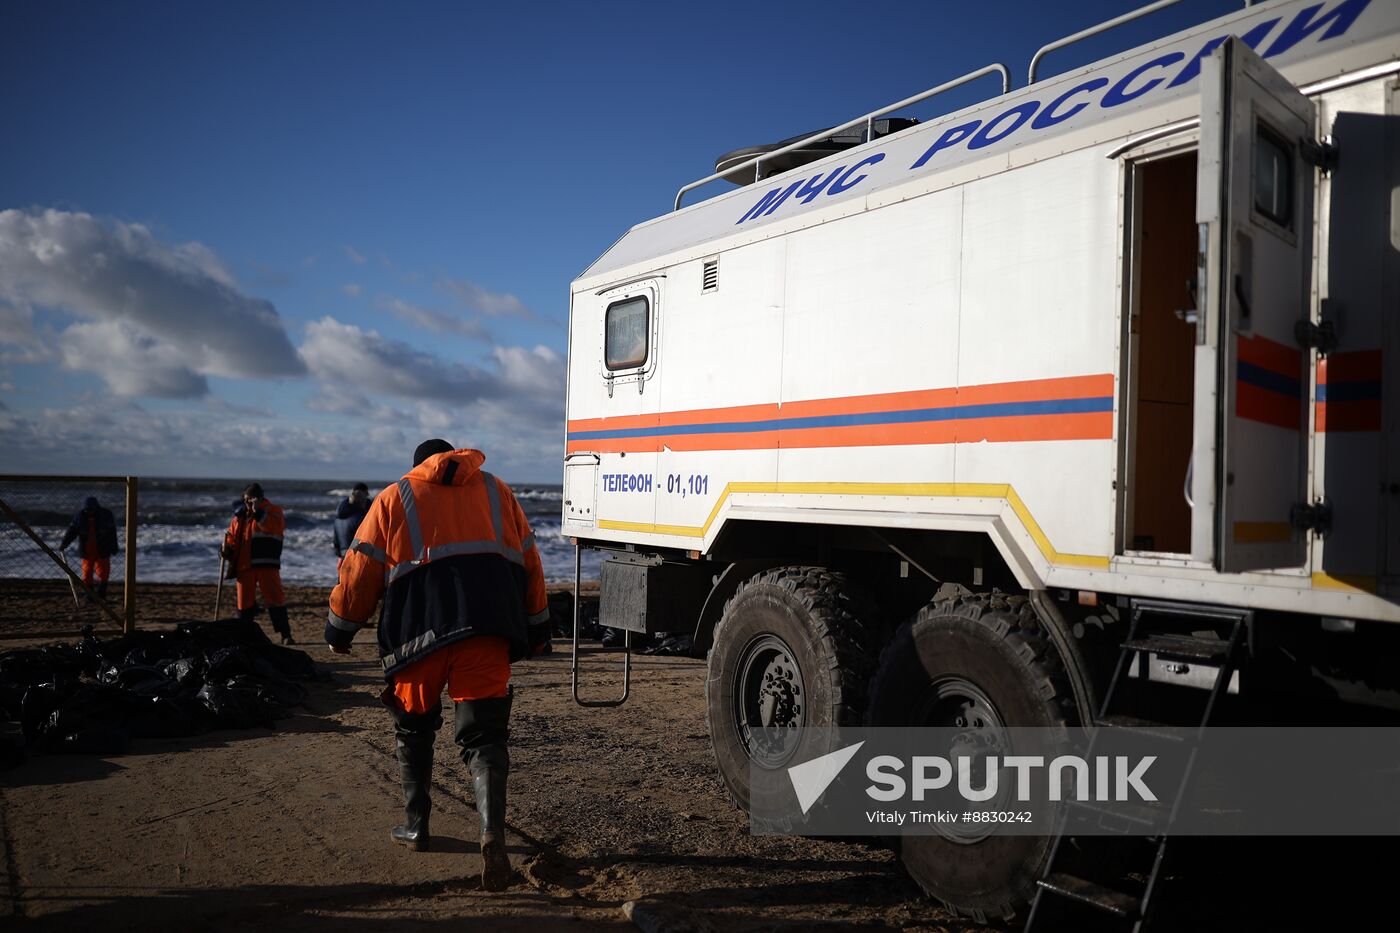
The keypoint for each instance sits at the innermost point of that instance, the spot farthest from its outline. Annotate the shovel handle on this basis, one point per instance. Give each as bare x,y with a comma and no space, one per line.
219,593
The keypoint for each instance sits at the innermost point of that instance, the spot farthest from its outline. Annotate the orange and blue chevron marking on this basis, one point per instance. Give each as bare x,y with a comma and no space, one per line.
1069,408
1349,391
1269,383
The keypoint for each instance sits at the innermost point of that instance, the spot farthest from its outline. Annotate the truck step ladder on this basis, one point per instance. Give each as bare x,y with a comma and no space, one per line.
573,656
1132,911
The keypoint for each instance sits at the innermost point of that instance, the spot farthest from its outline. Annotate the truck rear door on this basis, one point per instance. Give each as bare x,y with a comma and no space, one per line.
1254,212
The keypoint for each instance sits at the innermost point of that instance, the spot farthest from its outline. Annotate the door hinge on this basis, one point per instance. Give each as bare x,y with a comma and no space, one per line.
1321,336
1316,517
1321,153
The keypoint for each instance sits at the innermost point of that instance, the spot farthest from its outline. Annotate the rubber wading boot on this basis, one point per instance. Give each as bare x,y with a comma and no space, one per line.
414,734
482,732
102,589
247,615
278,616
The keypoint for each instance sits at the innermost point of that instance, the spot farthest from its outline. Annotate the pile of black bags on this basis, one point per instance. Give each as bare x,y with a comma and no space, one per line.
98,694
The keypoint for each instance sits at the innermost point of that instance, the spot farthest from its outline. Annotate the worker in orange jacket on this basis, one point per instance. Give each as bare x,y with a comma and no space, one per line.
253,548
449,550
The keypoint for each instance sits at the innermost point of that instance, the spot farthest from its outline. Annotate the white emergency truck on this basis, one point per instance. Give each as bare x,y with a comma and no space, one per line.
986,420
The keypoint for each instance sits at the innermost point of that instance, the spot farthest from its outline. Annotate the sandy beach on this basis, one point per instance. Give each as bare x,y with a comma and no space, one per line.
239,830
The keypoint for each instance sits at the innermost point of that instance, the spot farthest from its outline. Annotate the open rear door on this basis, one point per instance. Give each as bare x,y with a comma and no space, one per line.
1255,210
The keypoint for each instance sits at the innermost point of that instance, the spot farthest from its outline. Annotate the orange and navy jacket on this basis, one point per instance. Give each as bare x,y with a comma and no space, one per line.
449,550
96,531
255,538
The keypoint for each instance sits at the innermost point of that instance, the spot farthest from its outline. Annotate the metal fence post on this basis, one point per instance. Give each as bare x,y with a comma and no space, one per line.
129,590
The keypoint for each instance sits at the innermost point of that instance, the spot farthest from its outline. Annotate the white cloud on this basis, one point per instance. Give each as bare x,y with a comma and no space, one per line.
342,401
130,362
125,437
538,372
354,255
512,406
433,321
345,354
492,304
178,307
352,289
16,325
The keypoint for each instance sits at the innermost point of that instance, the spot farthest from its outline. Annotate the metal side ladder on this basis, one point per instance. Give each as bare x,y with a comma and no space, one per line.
573,657
1134,910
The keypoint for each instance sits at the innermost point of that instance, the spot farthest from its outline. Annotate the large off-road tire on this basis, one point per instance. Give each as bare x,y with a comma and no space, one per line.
790,651
984,660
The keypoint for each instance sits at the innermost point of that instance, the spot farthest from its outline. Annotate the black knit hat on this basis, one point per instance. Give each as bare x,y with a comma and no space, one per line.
428,448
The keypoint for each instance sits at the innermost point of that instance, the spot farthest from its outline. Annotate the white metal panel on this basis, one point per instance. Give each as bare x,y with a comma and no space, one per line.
1353,269
1065,487
871,302
721,355
1039,272
871,313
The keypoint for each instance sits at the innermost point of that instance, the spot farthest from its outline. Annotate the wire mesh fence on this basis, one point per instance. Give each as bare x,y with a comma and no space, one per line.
55,550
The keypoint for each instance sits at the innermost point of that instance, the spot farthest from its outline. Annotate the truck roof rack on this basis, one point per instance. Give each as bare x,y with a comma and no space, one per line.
868,120
1094,31
731,170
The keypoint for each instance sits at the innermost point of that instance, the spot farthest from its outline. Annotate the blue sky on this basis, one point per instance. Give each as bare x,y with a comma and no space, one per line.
295,239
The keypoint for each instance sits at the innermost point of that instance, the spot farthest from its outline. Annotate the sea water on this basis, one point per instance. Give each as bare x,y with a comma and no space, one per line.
181,524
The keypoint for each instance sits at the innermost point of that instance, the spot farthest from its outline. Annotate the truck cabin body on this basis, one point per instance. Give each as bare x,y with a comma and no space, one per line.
987,325
1110,353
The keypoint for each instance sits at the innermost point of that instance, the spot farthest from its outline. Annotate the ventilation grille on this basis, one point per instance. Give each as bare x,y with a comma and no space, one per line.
709,276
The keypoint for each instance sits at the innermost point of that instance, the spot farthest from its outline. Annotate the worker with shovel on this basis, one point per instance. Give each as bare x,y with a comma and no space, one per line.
96,532
253,548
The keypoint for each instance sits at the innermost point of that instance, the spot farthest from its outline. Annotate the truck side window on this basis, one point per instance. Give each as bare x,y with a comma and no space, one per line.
626,322
1273,178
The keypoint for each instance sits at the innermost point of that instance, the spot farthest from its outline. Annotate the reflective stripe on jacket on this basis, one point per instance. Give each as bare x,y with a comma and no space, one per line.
449,550
256,542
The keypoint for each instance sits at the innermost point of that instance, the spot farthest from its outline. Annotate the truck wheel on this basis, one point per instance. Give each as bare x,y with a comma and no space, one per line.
789,651
978,662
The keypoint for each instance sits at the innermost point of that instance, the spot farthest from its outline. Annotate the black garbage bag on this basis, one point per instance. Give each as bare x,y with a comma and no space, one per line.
186,673
224,663
39,703
561,614
279,693
288,662
98,711
236,707
679,645
616,638
96,695
225,633
146,682
588,619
